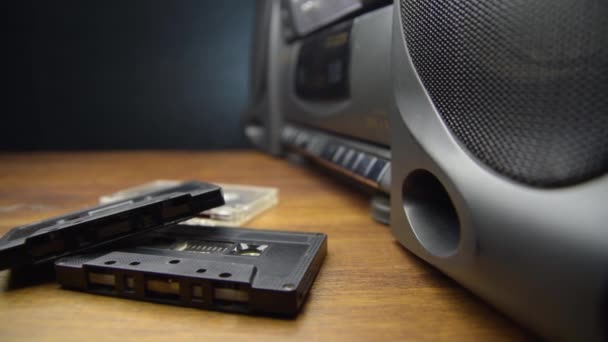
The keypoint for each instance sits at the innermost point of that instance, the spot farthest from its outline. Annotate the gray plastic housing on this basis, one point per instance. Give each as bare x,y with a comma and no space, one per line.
540,256
262,120
364,115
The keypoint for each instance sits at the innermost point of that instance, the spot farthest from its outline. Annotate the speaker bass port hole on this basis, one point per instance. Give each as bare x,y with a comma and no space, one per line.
431,213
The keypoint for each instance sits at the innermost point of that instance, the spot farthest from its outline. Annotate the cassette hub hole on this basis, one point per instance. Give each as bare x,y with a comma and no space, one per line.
174,261
225,275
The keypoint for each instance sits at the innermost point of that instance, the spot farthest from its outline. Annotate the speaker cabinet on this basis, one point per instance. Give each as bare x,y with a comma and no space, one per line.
262,120
500,151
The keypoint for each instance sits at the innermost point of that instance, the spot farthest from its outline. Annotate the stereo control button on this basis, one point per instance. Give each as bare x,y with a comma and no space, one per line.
348,157
302,140
289,134
356,161
339,154
377,170
362,167
350,165
329,150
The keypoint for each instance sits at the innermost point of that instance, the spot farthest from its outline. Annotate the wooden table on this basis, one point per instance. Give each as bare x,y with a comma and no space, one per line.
369,288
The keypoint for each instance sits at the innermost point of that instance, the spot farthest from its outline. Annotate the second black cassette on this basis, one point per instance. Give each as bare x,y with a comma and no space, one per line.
50,239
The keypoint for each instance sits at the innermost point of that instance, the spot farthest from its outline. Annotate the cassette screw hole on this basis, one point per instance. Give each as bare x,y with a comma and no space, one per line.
201,270
225,275
111,262
289,286
174,261
134,263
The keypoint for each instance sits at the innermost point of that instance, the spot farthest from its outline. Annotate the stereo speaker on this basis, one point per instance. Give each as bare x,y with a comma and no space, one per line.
500,151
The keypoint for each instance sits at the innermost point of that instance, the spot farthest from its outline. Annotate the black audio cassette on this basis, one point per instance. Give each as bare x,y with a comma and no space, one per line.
220,268
53,238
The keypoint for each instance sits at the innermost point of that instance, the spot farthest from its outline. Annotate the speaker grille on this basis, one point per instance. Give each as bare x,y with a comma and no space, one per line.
522,84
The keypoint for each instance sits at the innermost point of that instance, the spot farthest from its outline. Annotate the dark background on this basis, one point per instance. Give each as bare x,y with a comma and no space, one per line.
126,74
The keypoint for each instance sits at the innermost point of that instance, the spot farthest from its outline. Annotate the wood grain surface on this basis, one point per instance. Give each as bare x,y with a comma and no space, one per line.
369,287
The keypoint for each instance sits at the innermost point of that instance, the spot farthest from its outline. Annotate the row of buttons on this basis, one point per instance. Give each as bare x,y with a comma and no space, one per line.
353,160
349,158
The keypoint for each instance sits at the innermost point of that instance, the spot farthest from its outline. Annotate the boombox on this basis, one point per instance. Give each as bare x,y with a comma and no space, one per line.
485,121
321,85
